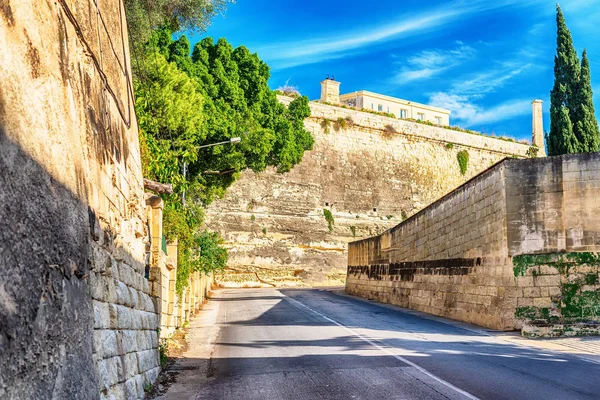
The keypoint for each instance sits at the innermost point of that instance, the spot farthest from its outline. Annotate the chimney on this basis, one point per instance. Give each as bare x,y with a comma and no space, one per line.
537,136
330,91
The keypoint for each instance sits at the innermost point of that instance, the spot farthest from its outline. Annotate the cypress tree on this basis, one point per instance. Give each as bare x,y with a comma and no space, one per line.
585,125
563,102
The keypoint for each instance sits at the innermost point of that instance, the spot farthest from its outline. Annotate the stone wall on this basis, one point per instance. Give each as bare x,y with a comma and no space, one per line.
455,257
76,316
274,223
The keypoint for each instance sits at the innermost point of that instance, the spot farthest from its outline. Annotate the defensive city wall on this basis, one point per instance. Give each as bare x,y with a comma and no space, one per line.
370,171
518,241
86,285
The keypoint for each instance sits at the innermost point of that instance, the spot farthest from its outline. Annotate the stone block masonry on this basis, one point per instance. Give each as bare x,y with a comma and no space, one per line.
455,258
77,319
274,223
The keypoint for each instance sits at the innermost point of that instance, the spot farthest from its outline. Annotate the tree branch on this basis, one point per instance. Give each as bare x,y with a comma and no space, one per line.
156,187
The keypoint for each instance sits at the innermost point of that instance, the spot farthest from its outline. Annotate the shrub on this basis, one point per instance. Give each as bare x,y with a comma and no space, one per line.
403,214
264,231
389,131
532,152
349,121
288,90
252,218
389,216
463,161
325,124
339,124
353,229
329,218
449,146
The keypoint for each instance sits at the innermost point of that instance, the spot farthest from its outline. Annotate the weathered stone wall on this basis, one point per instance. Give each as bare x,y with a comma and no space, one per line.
76,316
274,223
455,257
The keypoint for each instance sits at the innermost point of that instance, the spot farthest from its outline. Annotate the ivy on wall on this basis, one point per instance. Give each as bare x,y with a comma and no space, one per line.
329,218
463,161
576,301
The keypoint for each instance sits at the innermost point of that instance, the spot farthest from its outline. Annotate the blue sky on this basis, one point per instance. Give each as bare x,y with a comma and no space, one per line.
484,60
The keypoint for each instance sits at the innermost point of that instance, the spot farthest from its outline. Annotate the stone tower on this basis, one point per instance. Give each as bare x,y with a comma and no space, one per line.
537,136
330,91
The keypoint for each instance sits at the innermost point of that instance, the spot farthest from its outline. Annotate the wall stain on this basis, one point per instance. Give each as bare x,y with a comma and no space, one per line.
7,12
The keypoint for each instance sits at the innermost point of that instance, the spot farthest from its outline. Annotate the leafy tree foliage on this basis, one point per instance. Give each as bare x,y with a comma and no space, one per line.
184,102
573,126
144,16
586,126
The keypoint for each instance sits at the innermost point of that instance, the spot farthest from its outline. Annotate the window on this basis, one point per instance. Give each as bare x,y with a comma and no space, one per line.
438,120
388,110
421,116
372,106
379,107
402,113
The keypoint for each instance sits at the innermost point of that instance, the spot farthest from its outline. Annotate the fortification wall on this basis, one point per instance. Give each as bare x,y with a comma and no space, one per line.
274,223
455,257
76,316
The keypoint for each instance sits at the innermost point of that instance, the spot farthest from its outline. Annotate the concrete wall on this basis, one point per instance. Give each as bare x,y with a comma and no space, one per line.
454,258
367,180
76,316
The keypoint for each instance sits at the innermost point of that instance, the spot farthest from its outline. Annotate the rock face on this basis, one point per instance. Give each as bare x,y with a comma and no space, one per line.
76,316
370,172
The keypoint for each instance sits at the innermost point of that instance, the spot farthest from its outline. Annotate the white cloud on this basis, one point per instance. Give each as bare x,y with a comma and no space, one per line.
326,47
488,81
429,63
470,113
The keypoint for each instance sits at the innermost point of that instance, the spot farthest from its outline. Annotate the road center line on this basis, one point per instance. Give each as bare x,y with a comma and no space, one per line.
385,350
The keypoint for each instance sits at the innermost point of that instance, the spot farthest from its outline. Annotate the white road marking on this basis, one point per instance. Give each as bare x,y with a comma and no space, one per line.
385,350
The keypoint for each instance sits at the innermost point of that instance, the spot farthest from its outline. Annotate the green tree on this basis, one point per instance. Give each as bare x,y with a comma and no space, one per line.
563,95
144,16
585,126
184,102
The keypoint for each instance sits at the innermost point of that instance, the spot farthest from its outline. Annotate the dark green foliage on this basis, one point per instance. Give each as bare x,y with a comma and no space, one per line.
573,125
591,279
449,146
389,216
329,218
353,230
532,313
264,231
585,125
463,161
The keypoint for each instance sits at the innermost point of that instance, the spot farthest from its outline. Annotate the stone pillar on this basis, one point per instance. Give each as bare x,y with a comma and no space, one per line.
537,136
330,91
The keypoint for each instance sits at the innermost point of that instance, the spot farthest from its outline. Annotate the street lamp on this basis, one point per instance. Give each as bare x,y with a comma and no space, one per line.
230,141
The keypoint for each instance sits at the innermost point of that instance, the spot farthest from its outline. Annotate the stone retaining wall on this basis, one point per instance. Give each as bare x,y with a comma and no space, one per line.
455,257
274,224
77,318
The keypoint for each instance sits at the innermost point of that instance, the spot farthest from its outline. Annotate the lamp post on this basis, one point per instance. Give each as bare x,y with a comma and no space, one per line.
230,141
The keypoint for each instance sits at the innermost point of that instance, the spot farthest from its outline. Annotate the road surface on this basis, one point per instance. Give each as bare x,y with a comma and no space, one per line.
315,344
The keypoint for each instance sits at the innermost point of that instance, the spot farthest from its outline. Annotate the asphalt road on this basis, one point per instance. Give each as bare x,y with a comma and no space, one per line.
314,344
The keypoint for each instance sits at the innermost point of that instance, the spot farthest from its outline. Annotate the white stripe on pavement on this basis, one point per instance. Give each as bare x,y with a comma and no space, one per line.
385,350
